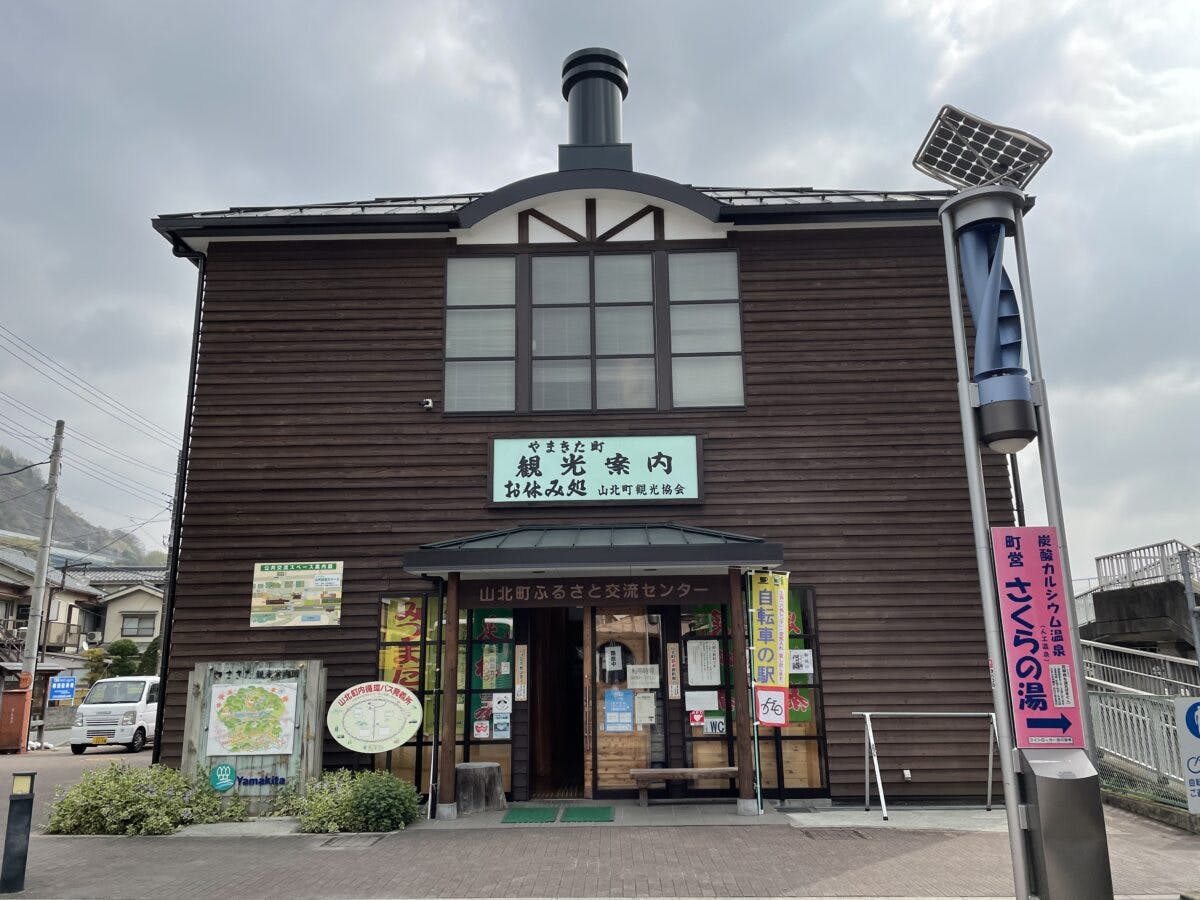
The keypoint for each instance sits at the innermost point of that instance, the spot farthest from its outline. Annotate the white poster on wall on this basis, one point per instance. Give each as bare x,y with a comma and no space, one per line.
642,677
800,662
644,708
700,700
703,663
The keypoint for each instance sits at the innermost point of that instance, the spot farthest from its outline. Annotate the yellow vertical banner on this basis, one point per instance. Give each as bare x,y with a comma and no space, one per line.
768,629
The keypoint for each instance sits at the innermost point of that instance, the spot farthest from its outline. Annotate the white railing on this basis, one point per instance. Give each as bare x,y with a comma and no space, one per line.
1136,671
1146,565
1139,745
1085,607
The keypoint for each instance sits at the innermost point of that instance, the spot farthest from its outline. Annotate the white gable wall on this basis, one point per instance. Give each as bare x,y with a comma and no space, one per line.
137,600
568,208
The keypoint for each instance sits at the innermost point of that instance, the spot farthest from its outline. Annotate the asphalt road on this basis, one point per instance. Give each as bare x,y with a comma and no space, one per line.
54,768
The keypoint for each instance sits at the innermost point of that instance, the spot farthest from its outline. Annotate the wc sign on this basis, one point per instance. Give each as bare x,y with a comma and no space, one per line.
1187,721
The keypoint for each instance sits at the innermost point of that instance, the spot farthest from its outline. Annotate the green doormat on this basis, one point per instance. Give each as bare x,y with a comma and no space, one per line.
530,815
587,814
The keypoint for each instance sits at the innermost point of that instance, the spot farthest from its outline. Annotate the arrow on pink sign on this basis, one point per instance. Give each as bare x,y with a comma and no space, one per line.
1062,723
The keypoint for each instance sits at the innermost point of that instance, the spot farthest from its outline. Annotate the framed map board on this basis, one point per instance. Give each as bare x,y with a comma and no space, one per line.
260,723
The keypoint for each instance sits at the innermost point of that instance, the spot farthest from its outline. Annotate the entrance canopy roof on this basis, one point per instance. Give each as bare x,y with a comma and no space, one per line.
663,548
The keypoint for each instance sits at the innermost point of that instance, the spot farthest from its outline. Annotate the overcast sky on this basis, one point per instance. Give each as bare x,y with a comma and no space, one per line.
115,112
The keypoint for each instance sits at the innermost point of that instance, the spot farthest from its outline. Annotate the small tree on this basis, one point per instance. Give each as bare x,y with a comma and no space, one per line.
124,655
97,664
149,663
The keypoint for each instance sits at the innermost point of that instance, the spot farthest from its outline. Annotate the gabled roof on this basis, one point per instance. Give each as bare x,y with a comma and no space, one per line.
445,212
27,565
600,547
125,591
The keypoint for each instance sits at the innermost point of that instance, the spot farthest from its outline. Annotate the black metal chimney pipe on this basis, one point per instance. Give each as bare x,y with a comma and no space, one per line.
594,83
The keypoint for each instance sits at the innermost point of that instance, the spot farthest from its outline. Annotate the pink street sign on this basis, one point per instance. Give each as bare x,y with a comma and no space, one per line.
1042,682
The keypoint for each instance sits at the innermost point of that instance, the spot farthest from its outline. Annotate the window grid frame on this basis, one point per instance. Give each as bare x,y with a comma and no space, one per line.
138,631
660,305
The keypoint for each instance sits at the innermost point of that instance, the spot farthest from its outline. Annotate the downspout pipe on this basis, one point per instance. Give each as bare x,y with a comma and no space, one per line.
180,249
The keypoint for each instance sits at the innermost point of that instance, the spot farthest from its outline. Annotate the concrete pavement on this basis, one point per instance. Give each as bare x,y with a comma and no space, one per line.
844,857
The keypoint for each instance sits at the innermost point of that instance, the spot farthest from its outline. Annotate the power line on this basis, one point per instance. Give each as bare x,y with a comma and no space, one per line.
130,531
19,496
77,457
123,419
25,468
90,441
83,382
149,495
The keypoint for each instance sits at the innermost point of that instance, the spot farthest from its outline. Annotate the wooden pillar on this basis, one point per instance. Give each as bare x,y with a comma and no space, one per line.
742,721
589,714
447,807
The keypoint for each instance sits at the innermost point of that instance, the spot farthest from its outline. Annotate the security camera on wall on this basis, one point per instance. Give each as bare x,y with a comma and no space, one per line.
427,403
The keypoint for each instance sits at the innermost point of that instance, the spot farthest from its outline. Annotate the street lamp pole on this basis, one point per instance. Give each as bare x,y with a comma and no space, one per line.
987,584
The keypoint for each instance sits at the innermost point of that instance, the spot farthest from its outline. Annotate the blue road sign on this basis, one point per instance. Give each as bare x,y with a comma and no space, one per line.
62,687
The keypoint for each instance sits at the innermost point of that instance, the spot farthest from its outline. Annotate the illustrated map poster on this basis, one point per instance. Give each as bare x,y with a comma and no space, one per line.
296,594
252,719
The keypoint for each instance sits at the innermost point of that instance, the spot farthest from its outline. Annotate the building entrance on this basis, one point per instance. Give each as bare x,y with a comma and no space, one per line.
556,708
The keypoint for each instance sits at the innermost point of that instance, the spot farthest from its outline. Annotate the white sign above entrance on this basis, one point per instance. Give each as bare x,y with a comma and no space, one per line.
660,469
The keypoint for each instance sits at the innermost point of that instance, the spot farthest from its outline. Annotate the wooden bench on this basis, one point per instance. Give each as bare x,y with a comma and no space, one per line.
643,778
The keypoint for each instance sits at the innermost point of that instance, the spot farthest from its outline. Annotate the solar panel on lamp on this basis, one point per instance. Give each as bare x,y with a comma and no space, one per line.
966,151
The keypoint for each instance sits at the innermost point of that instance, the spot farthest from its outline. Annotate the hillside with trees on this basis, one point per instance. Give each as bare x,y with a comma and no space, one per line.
23,500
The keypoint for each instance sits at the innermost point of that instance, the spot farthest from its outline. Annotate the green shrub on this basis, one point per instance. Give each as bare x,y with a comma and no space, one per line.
124,800
383,802
286,802
357,801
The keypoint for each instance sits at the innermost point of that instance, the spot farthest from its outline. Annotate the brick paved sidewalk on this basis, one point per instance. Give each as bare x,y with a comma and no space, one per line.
597,861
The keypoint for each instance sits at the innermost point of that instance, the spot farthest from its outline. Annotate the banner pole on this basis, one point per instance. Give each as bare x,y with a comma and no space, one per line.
747,587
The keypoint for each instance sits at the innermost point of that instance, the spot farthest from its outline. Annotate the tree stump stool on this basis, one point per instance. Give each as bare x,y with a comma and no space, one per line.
478,786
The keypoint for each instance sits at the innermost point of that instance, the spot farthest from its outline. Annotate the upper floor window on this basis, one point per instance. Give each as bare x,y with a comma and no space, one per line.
593,331
137,625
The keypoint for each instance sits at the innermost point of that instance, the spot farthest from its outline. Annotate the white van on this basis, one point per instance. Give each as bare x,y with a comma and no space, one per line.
117,711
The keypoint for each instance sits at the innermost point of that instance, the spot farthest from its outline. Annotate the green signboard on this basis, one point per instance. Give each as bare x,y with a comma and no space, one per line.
654,469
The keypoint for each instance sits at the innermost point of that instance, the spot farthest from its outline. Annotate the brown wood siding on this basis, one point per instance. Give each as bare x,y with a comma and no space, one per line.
309,443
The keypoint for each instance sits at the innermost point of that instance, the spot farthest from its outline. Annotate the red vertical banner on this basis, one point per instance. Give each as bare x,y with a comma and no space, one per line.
1043,681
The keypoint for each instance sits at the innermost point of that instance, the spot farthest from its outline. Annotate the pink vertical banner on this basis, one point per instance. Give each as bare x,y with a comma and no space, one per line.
1042,675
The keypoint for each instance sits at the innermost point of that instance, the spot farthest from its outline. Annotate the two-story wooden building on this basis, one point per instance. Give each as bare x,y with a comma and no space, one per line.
552,427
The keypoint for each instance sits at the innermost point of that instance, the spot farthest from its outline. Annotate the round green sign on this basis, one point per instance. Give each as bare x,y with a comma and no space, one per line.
374,717
222,777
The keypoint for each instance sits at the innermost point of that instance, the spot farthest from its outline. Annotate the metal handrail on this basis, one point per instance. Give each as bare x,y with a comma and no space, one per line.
1145,565
1139,671
871,756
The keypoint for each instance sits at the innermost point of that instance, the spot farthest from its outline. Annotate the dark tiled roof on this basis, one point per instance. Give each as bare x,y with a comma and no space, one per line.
28,566
124,575
541,536
550,547
449,203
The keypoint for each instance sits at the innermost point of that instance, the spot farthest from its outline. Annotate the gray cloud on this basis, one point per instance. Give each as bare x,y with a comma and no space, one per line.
115,112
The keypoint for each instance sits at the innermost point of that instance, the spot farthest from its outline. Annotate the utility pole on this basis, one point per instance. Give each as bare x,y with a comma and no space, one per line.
37,598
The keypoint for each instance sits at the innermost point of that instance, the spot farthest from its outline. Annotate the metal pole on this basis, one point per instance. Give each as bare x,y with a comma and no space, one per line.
866,769
1185,571
1017,496
991,757
983,562
875,760
37,597
1050,485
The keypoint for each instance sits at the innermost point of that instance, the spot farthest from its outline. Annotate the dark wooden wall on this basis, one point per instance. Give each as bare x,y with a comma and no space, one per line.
309,443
